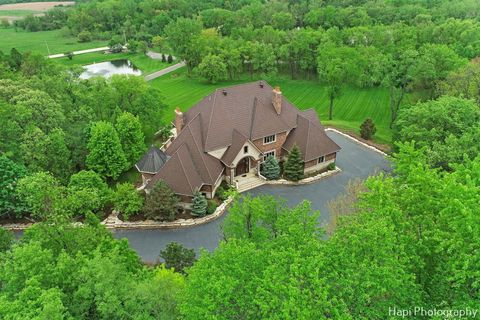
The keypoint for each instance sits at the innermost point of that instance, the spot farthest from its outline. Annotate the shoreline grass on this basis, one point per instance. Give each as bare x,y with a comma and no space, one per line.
146,64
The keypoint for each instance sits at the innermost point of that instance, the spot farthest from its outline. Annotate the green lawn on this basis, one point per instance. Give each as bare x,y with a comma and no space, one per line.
17,13
141,61
350,110
58,41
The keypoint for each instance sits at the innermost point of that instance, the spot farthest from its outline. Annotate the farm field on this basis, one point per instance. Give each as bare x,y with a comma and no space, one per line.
350,110
35,6
58,41
141,61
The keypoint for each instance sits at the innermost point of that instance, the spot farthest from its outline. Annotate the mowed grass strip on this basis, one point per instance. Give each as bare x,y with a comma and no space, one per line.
17,13
350,109
58,41
141,61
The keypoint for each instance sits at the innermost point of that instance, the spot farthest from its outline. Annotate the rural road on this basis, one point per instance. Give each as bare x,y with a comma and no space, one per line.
162,72
356,161
61,55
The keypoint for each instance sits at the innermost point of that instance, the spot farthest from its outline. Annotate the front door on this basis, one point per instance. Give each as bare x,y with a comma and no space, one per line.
243,167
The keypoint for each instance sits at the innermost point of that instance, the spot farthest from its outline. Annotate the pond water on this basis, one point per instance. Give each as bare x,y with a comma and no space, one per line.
109,68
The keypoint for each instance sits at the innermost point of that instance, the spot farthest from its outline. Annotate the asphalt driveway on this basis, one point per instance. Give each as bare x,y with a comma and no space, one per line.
356,161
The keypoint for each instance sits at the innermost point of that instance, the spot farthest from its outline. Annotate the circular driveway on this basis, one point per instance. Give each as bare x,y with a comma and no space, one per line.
356,161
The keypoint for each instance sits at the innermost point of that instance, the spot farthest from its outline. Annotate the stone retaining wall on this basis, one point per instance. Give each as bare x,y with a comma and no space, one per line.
308,180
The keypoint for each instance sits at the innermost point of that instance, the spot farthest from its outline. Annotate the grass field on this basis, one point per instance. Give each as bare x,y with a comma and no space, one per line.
17,13
350,110
141,61
58,41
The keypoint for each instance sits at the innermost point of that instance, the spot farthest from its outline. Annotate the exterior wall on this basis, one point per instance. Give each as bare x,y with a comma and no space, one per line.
277,145
146,177
313,165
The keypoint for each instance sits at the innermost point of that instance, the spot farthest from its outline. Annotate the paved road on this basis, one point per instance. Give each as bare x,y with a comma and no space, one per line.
162,72
356,161
61,55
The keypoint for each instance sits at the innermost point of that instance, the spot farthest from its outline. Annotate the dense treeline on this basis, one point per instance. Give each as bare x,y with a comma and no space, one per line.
56,126
411,240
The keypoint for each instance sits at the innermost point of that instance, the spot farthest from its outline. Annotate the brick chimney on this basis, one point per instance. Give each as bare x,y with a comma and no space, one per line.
178,120
277,99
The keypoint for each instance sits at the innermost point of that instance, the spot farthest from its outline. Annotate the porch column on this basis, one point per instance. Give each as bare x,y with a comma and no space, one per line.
232,175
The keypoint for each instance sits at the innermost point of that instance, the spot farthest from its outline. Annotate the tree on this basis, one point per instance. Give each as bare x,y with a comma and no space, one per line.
169,58
337,67
294,166
367,129
88,179
143,47
163,58
270,168
10,173
129,131
105,153
199,204
41,193
6,240
59,161
399,75
5,23
212,69
127,200
464,82
448,128
181,34
161,203
84,36
178,257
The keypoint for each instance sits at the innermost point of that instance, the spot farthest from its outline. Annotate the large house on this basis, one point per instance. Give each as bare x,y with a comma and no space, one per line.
228,134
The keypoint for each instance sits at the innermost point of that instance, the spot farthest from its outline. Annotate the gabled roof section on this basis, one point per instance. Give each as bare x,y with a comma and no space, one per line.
179,173
152,161
238,140
311,139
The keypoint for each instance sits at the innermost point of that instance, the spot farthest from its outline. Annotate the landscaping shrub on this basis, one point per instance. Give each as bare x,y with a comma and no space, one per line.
211,206
367,129
84,36
331,166
270,168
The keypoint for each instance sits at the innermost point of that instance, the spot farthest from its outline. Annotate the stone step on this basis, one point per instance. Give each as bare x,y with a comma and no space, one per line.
242,187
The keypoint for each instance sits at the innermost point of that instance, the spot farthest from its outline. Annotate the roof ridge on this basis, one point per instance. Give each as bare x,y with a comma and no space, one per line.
211,115
183,168
252,119
202,154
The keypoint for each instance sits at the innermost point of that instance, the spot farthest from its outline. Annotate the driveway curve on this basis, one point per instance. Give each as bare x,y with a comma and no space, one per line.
355,160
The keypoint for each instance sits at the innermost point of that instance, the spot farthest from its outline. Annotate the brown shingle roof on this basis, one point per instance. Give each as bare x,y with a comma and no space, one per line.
310,137
227,118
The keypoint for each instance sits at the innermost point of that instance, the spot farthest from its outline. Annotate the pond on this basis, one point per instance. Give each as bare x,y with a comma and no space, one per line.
109,68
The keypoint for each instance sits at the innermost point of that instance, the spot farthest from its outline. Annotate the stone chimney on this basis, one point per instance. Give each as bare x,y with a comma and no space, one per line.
277,99
178,120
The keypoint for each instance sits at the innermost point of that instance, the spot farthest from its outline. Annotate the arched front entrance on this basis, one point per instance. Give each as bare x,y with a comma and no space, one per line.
243,166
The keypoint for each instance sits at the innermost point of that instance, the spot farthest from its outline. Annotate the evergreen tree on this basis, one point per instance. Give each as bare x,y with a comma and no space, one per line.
270,168
163,58
199,204
129,131
294,166
367,129
105,153
161,203
169,58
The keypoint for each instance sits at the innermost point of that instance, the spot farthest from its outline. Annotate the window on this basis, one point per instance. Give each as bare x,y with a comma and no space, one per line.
269,139
321,159
268,154
245,149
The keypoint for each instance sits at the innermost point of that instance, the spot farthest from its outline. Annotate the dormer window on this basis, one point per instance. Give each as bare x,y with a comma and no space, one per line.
269,139
245,149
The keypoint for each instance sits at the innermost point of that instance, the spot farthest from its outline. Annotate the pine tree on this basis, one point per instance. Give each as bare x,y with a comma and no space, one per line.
163,58
270,168
367,129
161,203
169,58
199,204
294,166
